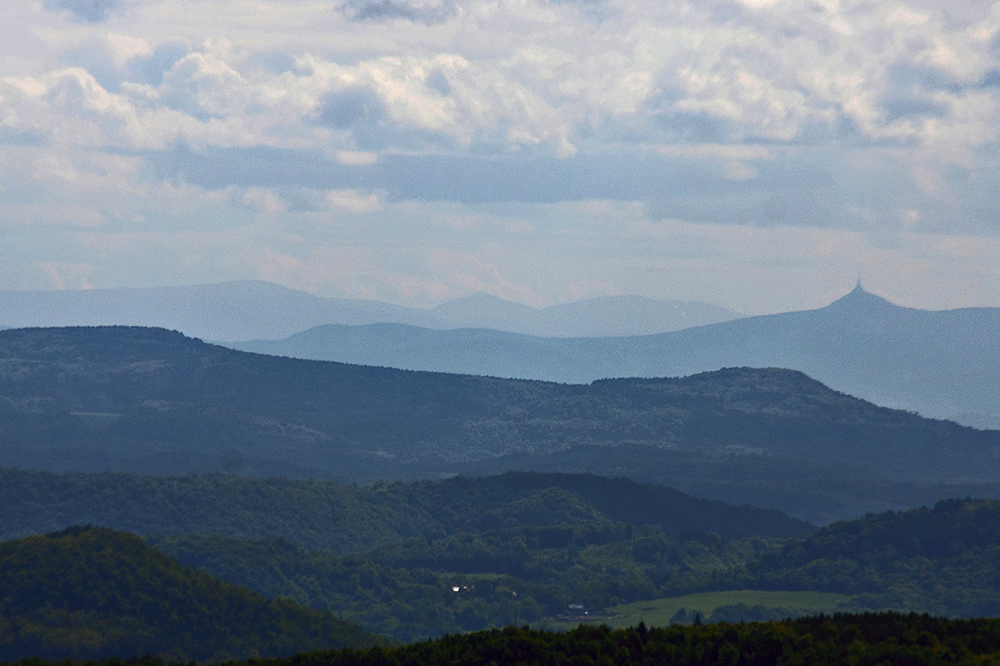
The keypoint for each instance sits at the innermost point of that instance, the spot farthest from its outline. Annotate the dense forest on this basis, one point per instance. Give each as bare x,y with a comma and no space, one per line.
943,560
148,400
325,515
860,640
85,593
517,546
387,556
417,588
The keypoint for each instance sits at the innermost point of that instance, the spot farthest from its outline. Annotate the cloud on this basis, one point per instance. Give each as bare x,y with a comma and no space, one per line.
72,276
482,119
385,10
352,201
352,108
149,67
89,11
264,200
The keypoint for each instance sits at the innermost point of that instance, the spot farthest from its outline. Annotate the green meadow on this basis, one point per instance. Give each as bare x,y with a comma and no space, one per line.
660,612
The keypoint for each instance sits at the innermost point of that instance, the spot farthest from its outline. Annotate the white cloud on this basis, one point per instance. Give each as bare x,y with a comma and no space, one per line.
67,276
263,199
356,158
352,201
512,132
126,47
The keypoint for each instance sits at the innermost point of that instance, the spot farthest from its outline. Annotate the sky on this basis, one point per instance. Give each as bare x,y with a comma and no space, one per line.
762,155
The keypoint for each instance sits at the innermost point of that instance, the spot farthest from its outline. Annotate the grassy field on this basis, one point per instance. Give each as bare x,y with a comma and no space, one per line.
660,612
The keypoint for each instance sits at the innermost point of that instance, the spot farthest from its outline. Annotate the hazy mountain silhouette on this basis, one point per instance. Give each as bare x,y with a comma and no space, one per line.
255,309
943,364
213,311
153,401
593,317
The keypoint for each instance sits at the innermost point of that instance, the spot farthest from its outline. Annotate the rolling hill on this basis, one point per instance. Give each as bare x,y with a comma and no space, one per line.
387,556
942,364
152,401
86,593
943,559
324,515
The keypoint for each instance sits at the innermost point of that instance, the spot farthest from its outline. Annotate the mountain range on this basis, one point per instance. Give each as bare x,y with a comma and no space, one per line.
255,309
942,364
154,401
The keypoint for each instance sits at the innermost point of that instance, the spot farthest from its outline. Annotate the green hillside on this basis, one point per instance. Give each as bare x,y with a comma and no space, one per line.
325,515
89,593
943,560
387,556
148,400
408,589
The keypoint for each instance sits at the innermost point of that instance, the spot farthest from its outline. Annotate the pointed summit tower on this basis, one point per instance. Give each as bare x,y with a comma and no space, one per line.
860,301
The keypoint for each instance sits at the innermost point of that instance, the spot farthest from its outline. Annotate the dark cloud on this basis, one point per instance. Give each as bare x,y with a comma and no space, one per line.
15,137
813,189
991,79
219,168
303,199
696,127
150,69
88,11
361,112
439,82
386,10
905,107
352,108
442,178
910,75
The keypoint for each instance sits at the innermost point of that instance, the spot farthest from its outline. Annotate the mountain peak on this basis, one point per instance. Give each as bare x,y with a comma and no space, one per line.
858,298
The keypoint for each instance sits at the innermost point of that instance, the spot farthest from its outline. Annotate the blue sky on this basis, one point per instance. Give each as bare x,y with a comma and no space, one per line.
758,154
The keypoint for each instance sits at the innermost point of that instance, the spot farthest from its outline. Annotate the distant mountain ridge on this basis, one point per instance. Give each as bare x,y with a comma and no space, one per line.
604,316
154,401
255,309
943,364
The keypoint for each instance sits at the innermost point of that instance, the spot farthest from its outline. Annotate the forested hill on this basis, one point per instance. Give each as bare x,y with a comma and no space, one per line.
324,515
865,640
941,364
944,560
88,593
148,400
